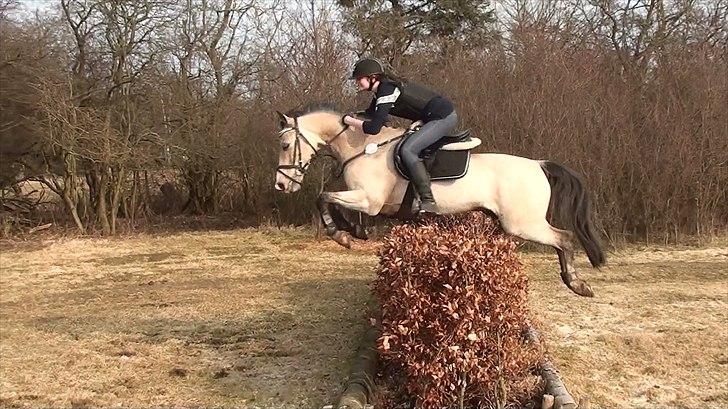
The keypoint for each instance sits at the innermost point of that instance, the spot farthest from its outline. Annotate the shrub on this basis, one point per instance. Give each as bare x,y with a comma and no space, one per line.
453,301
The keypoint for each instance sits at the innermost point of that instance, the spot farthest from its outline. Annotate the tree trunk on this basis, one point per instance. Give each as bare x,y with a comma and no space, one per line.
117,178
146,196
203,192
102,186
133,197
71,205
69,190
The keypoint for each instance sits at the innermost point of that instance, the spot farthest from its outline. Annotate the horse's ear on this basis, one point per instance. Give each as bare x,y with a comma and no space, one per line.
284,121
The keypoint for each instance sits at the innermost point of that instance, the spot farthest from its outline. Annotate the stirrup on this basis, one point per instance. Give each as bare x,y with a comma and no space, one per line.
428,208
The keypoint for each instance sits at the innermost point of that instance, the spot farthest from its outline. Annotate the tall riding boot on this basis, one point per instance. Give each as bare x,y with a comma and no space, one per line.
421,180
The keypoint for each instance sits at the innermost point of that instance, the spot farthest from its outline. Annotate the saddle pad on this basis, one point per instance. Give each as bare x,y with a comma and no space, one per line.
441,165
469,144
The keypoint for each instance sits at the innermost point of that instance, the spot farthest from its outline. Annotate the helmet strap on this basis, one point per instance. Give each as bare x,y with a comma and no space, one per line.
372,78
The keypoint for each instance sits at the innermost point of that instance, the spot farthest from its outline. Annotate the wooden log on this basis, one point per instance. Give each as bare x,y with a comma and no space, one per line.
39,228
555,387
547,402
358,391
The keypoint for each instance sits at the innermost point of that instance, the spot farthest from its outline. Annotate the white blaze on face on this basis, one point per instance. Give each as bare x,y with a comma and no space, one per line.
285,158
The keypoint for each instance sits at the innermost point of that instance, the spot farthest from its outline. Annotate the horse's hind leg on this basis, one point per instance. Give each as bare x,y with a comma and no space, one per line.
359,229
568,272
562,241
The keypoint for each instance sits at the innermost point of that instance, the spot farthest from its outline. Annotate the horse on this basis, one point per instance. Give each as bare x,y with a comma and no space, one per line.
519,191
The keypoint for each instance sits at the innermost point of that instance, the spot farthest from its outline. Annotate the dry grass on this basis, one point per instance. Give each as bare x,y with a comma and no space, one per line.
242,318
270,319
655,336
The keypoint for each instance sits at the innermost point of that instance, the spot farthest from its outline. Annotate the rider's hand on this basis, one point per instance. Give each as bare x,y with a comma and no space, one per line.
356,123
415,125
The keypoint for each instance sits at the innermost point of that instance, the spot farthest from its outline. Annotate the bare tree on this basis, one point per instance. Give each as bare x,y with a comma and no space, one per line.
105,95
215,64
90,119
392,28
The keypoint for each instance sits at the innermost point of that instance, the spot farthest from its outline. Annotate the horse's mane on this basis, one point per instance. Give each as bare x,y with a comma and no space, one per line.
312,107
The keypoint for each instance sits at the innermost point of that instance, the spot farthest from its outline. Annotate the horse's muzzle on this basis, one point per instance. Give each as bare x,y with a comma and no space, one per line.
286,186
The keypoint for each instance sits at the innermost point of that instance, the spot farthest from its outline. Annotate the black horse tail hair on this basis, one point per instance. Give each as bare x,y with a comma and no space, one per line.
571,208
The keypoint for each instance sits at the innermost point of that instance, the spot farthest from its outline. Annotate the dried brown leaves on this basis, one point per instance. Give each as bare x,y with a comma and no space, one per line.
453,302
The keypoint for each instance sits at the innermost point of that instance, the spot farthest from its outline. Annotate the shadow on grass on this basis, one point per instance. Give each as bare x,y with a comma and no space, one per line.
296,350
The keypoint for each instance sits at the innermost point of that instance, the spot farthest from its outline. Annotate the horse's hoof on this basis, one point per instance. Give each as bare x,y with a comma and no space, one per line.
342,238
330,230
360,232
582,288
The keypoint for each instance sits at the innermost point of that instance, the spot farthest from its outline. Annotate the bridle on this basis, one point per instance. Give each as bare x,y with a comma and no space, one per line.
297,163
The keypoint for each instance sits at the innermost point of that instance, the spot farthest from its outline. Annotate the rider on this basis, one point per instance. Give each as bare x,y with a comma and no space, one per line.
404,99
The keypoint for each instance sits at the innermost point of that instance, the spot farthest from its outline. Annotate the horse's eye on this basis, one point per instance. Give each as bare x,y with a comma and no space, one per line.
285,145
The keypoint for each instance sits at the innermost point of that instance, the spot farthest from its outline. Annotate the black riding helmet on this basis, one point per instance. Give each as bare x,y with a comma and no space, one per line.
367,67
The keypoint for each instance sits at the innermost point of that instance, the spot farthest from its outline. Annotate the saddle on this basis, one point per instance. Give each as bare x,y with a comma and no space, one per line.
446,159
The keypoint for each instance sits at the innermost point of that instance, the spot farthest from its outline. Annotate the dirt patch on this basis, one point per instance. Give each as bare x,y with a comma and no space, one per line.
271,318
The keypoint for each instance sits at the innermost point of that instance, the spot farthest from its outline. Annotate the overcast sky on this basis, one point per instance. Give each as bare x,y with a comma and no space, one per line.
30,6
34,4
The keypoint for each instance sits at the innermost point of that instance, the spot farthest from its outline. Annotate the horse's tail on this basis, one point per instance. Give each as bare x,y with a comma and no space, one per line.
571,207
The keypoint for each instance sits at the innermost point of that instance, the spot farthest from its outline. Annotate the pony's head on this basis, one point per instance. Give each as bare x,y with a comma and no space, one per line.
298,145
302,134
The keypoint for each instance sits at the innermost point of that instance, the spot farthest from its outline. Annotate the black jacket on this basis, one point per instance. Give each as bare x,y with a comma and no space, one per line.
409,100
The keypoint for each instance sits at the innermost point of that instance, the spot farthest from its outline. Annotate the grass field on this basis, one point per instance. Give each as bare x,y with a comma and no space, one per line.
271,319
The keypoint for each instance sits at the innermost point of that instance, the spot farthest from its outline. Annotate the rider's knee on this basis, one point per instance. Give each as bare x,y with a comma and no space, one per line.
409,155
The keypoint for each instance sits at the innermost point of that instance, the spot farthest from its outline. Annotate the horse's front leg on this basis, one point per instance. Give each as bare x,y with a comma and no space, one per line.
334,221
356,200
331,217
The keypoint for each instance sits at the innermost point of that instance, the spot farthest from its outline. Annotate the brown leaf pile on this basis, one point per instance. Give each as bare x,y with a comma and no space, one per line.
453,300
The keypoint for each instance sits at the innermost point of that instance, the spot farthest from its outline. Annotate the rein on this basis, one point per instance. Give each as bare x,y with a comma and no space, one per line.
298,154
360,154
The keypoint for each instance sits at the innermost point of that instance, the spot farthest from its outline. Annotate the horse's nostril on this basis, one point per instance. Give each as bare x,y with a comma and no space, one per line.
279,186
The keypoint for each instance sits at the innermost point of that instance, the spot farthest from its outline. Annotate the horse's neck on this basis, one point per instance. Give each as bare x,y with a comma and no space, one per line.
353,142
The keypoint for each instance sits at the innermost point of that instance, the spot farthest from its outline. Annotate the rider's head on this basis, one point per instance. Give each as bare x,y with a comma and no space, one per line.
367,73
